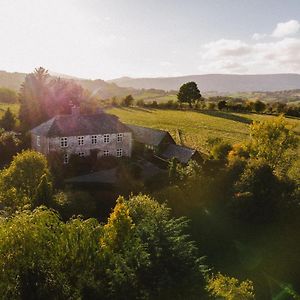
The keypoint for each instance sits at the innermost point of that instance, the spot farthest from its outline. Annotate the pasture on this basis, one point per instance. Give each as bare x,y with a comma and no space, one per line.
194,128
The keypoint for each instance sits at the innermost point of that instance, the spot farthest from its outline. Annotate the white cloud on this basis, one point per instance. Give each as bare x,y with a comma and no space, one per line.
235,56
258,36
286,29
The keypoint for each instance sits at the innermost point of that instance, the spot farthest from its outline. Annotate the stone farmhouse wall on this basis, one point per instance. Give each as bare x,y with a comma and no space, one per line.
47,145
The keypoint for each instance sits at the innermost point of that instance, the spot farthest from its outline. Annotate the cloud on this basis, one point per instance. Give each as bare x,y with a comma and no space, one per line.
235,56
258,36
286,29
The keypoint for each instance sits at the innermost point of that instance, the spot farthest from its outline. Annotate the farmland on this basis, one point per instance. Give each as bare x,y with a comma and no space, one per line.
195,128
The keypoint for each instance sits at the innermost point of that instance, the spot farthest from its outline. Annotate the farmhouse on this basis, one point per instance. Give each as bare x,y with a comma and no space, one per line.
100,134
103,134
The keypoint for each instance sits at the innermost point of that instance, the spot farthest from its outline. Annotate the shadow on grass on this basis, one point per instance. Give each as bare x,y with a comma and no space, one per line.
134,108
226,115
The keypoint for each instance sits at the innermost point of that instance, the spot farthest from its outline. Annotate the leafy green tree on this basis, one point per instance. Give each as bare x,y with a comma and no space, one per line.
221,150
167,244
259,106
9,146
229,288
23,176
222,105
189,93
8,121
128,101
273,141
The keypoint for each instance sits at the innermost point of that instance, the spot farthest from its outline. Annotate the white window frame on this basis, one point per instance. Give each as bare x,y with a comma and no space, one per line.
38,140
119,137
63,142
106,138
66,158
119,152
94,139
81,154
105,153
80,140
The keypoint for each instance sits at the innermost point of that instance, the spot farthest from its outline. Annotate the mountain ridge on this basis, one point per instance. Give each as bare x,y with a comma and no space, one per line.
217,82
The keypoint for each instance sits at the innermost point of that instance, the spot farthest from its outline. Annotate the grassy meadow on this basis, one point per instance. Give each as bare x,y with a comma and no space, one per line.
195,128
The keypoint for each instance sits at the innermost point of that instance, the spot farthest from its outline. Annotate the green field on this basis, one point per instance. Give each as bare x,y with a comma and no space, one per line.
195,127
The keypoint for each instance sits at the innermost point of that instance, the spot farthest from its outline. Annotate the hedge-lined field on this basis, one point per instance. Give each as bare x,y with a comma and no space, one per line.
195,128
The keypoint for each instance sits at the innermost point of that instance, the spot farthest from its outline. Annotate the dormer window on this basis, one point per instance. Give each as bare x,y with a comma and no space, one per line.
119,137
94,139
106,138
63,142
38,140
80,140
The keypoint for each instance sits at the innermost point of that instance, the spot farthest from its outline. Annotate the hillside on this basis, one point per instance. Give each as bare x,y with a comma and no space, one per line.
217,82
102,88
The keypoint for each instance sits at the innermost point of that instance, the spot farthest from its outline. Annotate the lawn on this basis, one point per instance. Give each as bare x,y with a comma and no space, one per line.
195,128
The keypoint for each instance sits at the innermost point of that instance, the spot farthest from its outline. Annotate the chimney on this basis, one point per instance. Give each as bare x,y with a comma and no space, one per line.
75,110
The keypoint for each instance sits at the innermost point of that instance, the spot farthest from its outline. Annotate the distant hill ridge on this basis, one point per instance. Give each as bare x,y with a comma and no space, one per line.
221,83
217,82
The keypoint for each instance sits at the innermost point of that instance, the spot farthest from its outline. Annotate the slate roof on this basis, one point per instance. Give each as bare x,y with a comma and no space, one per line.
147,135
74,125
183,154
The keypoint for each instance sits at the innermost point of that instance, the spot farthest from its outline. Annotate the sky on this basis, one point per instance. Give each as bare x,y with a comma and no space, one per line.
150,38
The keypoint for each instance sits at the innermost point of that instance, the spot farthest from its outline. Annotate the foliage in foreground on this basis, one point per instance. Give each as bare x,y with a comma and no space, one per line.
141,252
230,288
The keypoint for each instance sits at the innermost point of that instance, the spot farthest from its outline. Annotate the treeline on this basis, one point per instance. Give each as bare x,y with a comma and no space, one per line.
214,103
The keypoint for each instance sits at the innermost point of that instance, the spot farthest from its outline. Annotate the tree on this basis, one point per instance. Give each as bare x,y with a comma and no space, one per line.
189,93
222,105
33,93
259,106
221,150
229,288
8,121
273,141
9,146
128,100
22,178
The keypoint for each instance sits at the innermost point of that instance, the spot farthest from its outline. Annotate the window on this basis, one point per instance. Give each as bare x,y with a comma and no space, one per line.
94,139
38,140
119,137
66,158
80,140
149,147
106,153
63,142
119,152
81,154
106,138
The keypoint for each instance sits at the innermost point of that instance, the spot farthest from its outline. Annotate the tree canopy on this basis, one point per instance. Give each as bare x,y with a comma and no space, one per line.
189,93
